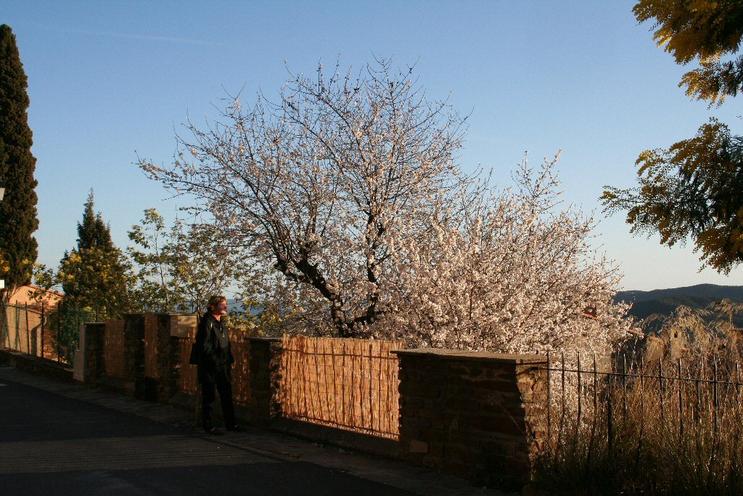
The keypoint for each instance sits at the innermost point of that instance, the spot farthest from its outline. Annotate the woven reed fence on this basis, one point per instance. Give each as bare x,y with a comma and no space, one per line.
188,380
240,345
349,384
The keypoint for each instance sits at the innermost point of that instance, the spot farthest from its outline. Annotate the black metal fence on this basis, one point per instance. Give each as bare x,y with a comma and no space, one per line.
619,418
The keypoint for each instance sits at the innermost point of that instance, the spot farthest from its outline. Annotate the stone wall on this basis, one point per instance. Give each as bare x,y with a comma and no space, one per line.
476,415
160,379
134,353
113,350
264,365
91,351
36,365
124,354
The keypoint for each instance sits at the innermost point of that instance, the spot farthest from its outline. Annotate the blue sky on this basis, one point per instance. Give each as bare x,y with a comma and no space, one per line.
111,80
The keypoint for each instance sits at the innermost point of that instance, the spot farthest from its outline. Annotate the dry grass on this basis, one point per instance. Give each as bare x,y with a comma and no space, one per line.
680,435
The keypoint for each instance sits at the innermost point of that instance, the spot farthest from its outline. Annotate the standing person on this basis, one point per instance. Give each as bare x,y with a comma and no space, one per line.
213,355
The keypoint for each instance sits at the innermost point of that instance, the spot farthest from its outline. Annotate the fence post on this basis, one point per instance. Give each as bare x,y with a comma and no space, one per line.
77,327
660,391
642,414
28,331
264,364
624,390
681,409
609,419
715,399
134,326
562,400
94,351
697,403
594,415
17,327
549,401
56,341
42,329
4,318
580,406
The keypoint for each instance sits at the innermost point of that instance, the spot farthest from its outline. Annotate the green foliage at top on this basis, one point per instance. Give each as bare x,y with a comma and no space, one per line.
705,30
691,190
18,218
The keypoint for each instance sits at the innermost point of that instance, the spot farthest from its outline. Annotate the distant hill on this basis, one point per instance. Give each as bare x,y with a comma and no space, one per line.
665,301
235,305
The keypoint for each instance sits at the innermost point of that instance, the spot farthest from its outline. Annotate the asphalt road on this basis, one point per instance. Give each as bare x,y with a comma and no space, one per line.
50,444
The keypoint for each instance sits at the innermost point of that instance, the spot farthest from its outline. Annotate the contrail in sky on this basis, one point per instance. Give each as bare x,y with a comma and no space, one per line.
129,36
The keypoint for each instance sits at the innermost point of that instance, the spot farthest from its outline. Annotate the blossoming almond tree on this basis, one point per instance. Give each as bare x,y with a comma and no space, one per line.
323,180
509,272
347,187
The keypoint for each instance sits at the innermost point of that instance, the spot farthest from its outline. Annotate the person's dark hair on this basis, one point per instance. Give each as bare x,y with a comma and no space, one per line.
214,301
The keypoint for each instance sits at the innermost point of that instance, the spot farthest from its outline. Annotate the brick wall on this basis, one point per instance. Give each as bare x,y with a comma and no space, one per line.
134,354
114,349
124,354
160,372
472,414
264,365
92,348
476,415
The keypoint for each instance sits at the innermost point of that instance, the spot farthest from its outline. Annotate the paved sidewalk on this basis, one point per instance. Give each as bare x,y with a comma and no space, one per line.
66,438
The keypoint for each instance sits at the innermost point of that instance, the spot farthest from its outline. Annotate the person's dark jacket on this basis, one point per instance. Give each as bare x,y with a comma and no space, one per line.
213,352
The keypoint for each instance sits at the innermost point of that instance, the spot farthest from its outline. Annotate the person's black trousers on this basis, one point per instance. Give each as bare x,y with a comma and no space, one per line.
222,382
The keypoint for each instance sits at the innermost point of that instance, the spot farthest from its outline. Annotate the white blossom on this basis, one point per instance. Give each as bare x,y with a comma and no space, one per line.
348,189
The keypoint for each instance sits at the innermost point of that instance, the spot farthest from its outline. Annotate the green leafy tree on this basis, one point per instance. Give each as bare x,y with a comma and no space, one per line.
95,275
206,263
154,289
179,267
694,188
18,219
44,280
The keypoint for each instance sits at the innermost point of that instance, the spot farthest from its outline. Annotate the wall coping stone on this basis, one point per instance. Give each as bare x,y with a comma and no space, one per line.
483,356
266,339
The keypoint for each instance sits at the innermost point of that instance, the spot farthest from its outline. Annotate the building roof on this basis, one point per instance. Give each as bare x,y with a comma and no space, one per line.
23,295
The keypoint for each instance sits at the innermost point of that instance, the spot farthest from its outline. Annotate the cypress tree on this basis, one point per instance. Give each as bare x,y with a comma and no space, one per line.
93,231
18,219
95,275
